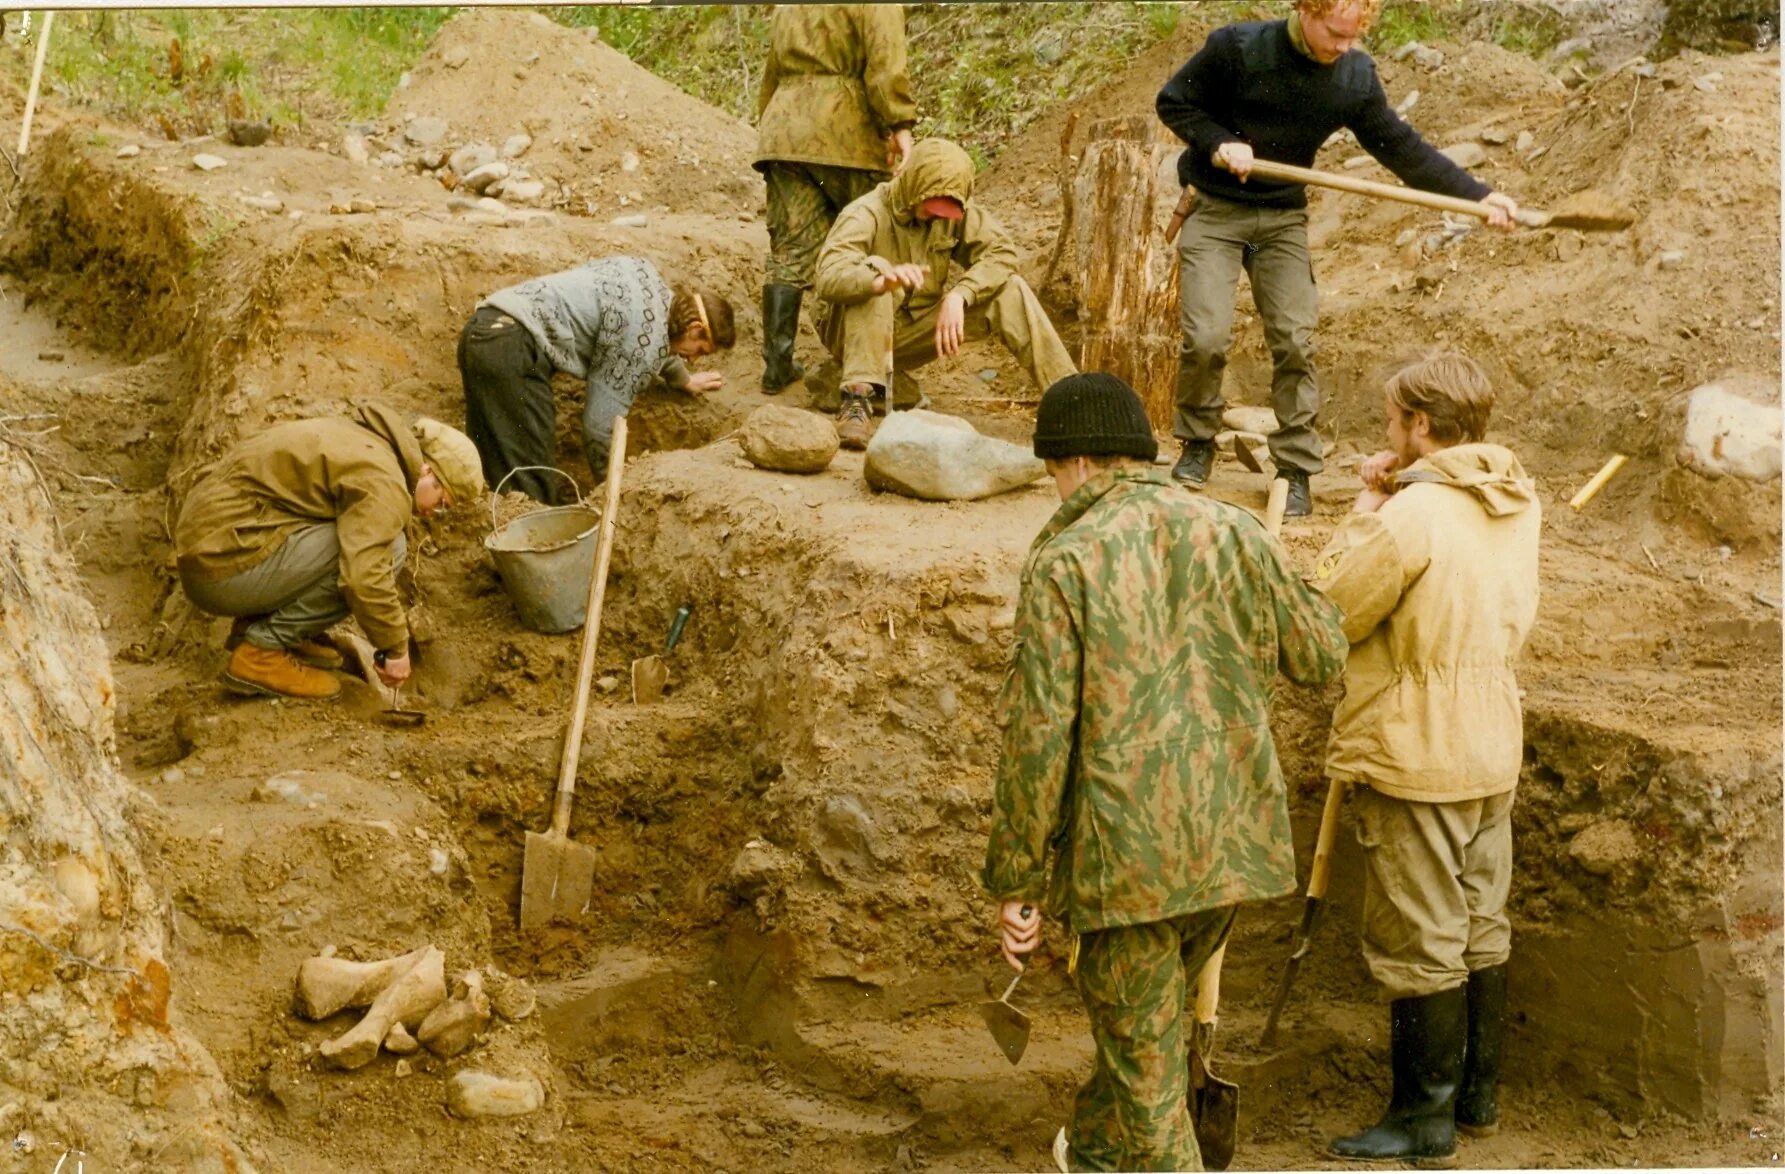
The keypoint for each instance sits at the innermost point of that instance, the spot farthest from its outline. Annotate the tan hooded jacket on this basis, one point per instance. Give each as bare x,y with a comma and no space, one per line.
880,230
835,85
358,473
1439,589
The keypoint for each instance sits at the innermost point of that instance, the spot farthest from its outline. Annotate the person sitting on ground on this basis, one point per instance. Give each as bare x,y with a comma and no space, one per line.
1436,572
904,236
1139,797
301,525
613,322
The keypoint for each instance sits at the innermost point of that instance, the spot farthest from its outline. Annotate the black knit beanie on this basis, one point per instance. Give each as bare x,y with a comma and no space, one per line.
1093,415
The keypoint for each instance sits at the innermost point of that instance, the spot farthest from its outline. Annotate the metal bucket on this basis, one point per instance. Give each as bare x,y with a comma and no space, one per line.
545,559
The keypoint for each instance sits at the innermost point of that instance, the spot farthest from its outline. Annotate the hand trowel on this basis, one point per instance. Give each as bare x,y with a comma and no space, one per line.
1009,1027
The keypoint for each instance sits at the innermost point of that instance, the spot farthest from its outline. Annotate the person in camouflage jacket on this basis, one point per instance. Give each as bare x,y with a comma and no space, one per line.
1139,796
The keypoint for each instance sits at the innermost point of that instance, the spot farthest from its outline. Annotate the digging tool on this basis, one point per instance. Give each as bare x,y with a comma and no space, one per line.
1214,1103
650,675
1275,504
1242,451
558,873
1009,1027
43,48
1586,211
395,714
1180,213
1304,937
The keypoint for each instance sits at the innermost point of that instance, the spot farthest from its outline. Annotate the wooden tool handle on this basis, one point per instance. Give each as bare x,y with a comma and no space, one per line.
1208,987
604,550
1275,504
1265,169
43,48
1323,842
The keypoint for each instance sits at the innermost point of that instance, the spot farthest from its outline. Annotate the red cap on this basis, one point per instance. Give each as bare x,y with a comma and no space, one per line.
946,207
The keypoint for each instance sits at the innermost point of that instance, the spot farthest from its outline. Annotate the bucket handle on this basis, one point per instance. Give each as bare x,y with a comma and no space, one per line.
522,469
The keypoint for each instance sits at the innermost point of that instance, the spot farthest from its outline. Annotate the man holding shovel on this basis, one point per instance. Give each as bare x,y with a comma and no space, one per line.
1277,89
1139,798
1436,573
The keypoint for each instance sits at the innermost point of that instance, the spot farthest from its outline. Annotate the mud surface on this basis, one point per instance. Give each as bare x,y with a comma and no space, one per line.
780,962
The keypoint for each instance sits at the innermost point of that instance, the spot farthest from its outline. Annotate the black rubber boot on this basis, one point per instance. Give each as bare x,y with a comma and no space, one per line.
1194,463
1478,1110
1427,1038
1301,498
780,326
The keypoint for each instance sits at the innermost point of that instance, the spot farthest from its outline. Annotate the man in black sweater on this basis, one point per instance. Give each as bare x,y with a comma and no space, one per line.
1278,89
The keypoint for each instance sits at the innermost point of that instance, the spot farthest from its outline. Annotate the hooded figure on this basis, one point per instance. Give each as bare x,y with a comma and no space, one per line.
301,525
1436,573
889,303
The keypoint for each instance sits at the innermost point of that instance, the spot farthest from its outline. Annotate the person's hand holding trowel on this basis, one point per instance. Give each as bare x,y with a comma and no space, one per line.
1020,926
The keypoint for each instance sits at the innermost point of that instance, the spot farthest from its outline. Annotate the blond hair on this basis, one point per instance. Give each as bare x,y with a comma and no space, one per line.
1367,10
1451,389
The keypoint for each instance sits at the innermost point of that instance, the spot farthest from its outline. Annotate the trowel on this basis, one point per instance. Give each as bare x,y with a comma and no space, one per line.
395,714
650,675
1009,1027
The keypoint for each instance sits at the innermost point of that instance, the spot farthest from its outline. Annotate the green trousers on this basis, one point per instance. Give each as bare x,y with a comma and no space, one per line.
804,200
1136,982
1219,238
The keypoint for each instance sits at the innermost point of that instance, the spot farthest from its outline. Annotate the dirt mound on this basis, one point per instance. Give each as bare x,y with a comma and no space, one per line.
614,134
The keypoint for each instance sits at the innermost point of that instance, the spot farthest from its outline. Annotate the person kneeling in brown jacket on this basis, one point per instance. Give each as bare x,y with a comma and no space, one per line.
302,525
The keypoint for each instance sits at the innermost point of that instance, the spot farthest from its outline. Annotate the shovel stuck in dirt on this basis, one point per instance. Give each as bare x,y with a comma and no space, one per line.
1214,1103
1587,211
558,874
1009,1027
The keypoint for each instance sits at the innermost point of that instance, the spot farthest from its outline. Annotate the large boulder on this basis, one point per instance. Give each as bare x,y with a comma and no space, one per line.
788,440
935,457
1732,430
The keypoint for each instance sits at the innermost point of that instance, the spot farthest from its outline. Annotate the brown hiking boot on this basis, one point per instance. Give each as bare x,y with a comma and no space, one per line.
254,671
855,423
318,654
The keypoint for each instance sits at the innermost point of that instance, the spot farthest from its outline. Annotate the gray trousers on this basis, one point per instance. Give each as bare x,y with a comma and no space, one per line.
292,594
1219,238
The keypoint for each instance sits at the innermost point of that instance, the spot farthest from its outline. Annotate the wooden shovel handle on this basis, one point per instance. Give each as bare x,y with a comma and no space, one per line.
1208,986
1265,169
1275,503
1323,842
604,550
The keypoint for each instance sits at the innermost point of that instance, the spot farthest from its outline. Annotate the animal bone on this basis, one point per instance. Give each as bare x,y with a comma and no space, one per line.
327,984
407,1000
450,1027
400,1042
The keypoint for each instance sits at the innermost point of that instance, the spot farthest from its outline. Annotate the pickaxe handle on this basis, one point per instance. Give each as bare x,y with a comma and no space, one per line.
1317,877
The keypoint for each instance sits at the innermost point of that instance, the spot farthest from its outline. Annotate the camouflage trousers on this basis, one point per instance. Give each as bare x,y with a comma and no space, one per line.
1136,981
804,200
861,336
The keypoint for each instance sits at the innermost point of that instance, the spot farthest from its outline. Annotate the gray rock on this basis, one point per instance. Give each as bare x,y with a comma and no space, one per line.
209,162
1428,58
470,1093
522,191
1405,105
431,158
934,457
1524,142
456,57
484,176
391,159
266,202
1407,50
760,867
470,157
1358,162
1671,258
1732,430
1466,155
988,375
353,146
425,132
1607,847
843,837
1244,418
487,204
630,220
515,146
788,440
129,151
1494,137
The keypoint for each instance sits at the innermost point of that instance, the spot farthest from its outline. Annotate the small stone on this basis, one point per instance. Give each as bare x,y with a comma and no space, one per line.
607,684
630,220
361,207
514,146
1465,155
471,156
354,147
523,191
292,786
1707,83
1428,58
438,861
399,1042
470,1093
754,1129
1406,105
1406,51
404,1067
1358,162
1524,141
451,1027
266,202
432,158
490,204
129,151
629,161
948,703
425,132
988,375
391,159
1606,847
209,162
1671,258
173,775
1406,237
1536,154
486,175
511,998
1246,418
456,57
1494,137
788,440
299,1098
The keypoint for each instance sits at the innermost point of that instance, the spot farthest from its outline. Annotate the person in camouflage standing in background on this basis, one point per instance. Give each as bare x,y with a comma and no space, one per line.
834,119
1139,798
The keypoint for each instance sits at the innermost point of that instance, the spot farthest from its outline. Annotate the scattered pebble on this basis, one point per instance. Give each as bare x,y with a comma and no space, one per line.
266,202
1524,141
607,684
629,161
1466,155
390,159
1408,103
470,1093
988,375
129,151
516,145
425,132
361,206
209,162
1671,258
173,775
482,177
1358,162
1494,137
437,861
354,147
632,220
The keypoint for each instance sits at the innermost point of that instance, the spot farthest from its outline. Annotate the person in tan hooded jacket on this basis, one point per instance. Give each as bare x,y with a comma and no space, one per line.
1436,573
301,525
885,272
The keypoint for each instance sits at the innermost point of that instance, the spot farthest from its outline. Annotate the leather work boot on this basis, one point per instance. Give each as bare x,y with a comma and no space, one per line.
780,326
1301,498
255,671
1478,1111
855,421
1194,463
317,654
1426,1041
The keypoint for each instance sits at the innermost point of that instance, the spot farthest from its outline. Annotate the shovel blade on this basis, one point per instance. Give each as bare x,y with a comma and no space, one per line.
557,876
1215,1111
1242,451
402,719
1009,1028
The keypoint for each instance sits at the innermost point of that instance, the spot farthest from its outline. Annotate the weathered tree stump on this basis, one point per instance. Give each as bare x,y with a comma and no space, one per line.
1128,272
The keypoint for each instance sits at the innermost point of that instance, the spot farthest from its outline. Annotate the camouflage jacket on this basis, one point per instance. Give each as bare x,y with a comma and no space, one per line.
834,86
1137,755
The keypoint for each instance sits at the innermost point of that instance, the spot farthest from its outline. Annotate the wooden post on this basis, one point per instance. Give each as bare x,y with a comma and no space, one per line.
1127,270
